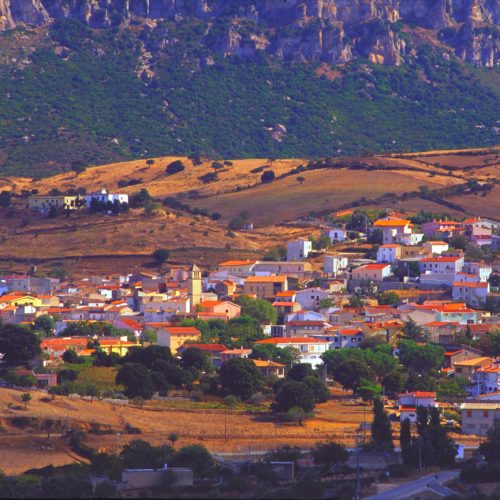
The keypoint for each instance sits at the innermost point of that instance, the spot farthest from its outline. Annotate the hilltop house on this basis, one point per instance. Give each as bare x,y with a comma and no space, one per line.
373,272
175,336
298,249
390,253
440,270
408,403
104,196
43,203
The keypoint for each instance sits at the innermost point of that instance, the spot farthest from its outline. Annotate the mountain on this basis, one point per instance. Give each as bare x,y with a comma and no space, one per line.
92,81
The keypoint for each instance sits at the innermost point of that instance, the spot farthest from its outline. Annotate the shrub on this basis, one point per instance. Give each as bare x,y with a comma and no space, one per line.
175,167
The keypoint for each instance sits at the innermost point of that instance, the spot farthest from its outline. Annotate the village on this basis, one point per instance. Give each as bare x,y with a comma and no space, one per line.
386,309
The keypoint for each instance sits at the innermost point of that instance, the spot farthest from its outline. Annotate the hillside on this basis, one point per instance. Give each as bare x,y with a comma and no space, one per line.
459,183
327,82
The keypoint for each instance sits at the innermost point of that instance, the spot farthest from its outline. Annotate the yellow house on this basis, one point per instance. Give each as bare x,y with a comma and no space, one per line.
14,299
44,203
175,336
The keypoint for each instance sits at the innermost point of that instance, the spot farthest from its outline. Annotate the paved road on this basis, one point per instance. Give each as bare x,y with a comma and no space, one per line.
412,488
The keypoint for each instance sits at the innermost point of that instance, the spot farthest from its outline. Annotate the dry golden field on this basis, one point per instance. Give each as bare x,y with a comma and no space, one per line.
91,243
231,431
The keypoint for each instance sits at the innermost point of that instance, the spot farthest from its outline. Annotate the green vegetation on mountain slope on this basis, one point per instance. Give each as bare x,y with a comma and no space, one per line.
84,98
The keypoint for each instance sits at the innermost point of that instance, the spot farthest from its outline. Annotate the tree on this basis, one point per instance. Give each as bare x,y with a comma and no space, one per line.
381,428
18,344
291,393
5,199
173,438
301,179
388,298
459,242
195,358
259,309
267,176
240,377
356,301
406,443
325,303
300,371
137,381
491,447
376,237
412,331
45,324
318,388
70,356
175,167
209,177
197,458
420,359
148,355
236,223
161,255
139,454
348,367
368,390
26,398
329,454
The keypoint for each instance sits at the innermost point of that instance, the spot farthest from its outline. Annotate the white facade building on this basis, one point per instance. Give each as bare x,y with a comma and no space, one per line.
298,249
104,196
334,264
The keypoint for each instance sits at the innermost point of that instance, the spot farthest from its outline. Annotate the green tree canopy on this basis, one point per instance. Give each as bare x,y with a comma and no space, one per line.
18,344
240,377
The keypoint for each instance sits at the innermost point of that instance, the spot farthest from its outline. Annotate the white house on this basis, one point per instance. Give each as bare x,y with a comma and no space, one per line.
390,252
473,293
337,235
410,401
482,271
373,272
310,298
104,196
440,270
435,247
298,249
334,264
486,379
308,348
411,239
393,229
342,338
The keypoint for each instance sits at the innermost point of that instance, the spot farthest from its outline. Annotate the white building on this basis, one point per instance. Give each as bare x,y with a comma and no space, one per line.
389,253
334,264
106,197
310,298
435,247
337,235
308,348
410,401
473,293
298,249
440,270
486,379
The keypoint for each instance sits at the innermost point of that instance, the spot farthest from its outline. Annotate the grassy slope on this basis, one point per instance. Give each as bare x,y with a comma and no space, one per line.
133,237
75,96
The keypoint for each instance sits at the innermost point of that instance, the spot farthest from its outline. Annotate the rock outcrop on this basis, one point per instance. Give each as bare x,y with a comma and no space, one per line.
297,30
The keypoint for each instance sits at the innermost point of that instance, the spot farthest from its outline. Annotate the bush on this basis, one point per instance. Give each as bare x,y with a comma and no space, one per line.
161,255
267,177
175,167
236,223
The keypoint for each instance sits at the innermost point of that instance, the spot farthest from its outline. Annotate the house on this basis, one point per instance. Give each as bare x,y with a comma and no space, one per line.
223,308
308,348
440,270
337,235
334,264
234,354
267,268
212,350
129,324
410,401
474,294
445,229
486,379
441,332
241,268
310,298
393,229
388,253
139,483
435,247
43,379
480,270
479,417
175,336
455,355
372,272
467,367
341,338
265,287
298,249
302,328
270,368
285,308
43,204
103,196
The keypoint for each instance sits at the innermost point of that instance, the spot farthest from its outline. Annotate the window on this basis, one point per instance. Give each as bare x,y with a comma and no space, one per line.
469,413
486,414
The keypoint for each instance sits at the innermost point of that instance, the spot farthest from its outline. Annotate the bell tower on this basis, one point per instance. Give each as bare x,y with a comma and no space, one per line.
194,286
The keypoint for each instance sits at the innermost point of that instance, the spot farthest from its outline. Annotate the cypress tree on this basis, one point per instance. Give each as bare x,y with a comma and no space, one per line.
381,427
406,443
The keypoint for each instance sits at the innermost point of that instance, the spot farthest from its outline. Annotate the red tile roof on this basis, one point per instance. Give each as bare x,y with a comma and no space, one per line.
291,340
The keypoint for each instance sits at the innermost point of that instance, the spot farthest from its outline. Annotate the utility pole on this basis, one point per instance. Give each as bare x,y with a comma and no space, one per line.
358,485
420,453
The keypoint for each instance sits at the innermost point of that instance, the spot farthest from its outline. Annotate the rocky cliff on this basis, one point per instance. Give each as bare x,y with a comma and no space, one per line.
331,31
